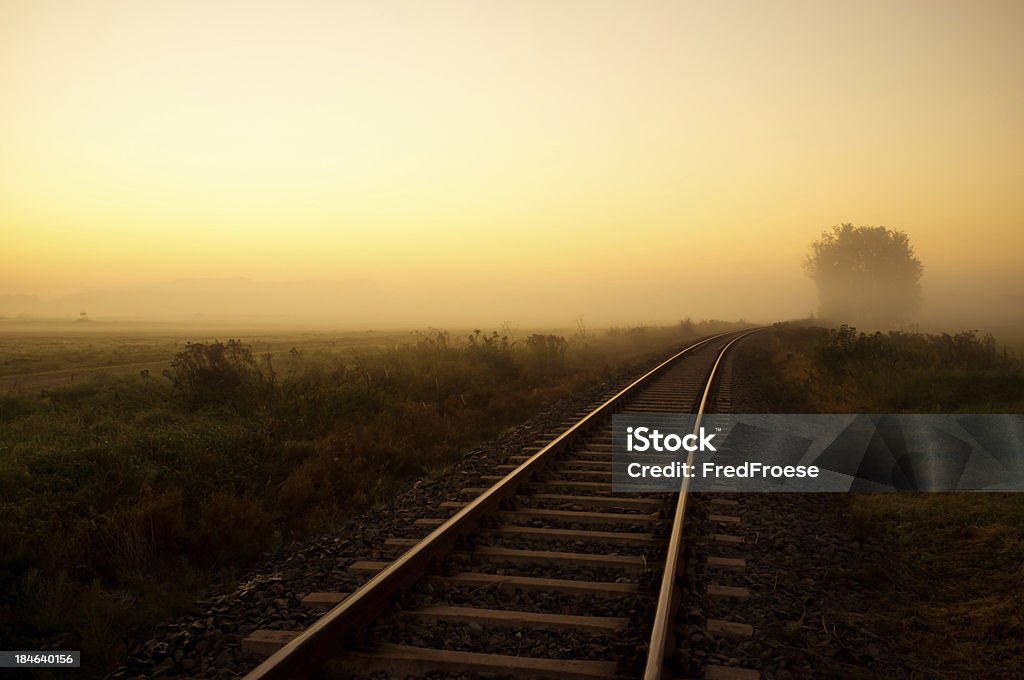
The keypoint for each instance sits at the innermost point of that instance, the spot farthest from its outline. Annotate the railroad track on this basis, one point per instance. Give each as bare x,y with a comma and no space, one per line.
544,573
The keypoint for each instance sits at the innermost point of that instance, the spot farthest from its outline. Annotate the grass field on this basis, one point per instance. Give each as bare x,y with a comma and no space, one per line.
950,591
44,355
37,356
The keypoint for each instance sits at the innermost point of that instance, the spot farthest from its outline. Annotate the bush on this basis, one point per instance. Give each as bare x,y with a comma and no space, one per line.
209,374
815,369
547,353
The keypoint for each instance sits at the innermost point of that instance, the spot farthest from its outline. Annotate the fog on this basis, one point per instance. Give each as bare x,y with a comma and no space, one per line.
952,303
365,303
401,165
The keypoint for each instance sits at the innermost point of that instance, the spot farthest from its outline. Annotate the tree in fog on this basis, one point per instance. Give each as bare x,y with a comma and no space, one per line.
867,276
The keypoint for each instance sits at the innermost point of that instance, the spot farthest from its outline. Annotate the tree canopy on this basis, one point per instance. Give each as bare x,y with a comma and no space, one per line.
868,276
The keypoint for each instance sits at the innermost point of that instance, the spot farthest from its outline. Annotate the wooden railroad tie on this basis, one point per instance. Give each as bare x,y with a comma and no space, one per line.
498,618
404,660
265,642
321,601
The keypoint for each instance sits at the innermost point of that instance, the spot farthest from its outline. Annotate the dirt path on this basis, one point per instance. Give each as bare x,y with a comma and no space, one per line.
33,383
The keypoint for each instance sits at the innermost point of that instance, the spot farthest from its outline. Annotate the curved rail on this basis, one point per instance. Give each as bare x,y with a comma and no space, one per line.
321,641
661,643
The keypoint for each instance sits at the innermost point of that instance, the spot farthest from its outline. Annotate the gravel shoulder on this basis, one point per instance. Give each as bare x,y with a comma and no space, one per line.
818,594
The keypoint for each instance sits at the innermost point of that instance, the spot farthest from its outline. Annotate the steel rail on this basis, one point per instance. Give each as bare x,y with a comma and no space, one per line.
661,642
325,638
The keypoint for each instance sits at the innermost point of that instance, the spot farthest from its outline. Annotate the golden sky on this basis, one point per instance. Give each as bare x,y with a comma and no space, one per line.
496,158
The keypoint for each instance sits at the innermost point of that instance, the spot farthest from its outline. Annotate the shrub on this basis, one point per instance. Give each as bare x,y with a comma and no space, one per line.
216,373
547,353
812,369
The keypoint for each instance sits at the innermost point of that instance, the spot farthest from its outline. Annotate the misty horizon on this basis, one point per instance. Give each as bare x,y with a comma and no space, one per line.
364,303
340,165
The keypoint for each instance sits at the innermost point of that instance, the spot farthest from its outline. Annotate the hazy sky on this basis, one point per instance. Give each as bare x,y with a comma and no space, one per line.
491,160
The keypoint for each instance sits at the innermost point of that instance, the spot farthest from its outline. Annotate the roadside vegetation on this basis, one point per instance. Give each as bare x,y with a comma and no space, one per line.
122,497
817,370
950,592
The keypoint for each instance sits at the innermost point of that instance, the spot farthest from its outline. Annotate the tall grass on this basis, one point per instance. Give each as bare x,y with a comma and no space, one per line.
808,369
